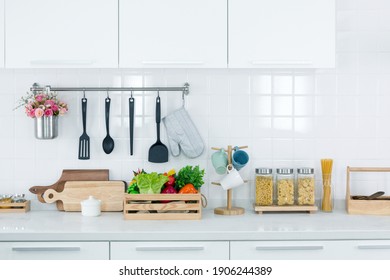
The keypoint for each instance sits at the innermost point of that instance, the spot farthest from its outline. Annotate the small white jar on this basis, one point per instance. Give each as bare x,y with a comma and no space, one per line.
91,207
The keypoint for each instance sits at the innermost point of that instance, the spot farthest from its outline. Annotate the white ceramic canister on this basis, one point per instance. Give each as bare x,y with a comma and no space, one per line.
91,207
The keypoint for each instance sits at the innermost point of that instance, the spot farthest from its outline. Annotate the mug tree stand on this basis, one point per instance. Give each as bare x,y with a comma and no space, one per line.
229,209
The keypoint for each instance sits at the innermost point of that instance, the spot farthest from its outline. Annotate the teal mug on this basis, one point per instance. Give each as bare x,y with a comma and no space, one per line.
219,160
239,158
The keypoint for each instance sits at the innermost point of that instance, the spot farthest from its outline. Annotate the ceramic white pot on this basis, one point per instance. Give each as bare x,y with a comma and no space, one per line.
91,207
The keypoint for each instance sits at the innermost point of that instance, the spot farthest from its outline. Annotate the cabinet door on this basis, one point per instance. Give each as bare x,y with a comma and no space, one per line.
198,250
281,33
279,250
54,250
173,33
2,39
311,250
61,33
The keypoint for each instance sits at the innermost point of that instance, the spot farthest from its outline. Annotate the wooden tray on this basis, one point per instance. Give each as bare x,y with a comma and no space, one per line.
293,208
15,207
155,207
378,206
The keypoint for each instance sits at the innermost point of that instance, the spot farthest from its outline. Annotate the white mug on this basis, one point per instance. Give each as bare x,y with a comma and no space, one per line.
231,180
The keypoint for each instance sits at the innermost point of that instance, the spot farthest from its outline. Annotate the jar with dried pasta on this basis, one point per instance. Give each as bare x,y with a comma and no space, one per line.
305,186
285,186
264,187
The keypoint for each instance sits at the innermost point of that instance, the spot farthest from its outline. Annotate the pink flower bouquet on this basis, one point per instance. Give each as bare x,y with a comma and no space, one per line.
40,104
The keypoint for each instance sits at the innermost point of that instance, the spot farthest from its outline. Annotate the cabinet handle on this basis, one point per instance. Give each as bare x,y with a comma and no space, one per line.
282,62
170,249
161,62
61,62
46,249
373,247
271,248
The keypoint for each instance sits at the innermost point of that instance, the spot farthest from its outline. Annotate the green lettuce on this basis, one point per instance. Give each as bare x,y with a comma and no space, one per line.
151,183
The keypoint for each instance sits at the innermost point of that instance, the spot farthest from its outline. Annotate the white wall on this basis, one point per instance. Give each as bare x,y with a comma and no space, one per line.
288,118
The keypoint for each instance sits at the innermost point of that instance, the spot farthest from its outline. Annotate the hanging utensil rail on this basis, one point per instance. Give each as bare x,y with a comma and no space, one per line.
184,89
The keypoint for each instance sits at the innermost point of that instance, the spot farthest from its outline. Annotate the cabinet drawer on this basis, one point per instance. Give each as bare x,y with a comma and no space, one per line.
54,250
170,250
313,250
274,250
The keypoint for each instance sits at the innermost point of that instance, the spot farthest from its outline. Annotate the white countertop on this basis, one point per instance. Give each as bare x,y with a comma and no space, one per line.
111,226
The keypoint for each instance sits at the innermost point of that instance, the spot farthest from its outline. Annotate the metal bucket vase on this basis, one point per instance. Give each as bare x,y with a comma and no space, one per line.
46,127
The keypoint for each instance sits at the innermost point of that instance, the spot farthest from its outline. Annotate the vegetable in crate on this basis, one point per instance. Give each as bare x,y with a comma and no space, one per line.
151,183
190,175
188,189
133,186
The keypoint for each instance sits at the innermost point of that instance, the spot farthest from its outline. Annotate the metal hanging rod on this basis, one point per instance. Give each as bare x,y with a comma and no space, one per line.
185,89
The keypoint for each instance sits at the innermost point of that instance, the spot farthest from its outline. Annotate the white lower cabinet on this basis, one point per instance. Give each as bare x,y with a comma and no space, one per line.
54,250
179,250
310,250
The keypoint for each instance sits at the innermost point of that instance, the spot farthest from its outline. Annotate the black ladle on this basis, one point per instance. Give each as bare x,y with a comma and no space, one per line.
108,142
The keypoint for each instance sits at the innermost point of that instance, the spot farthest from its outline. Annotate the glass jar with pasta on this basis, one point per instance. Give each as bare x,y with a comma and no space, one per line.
285,186
264,187
305,186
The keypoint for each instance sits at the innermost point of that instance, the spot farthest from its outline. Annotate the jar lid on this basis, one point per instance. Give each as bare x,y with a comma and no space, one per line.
263,170
91,201
305,170
284,170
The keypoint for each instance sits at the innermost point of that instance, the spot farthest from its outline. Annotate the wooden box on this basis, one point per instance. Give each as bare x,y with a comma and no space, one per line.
377,206
15,207
156,207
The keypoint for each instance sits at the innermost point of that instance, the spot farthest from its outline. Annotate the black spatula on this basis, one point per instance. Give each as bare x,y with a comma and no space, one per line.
158,152
84,138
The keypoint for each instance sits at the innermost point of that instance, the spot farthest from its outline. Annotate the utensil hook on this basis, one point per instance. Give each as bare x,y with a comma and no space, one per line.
183,99
83,93
131,94
158,93
108,96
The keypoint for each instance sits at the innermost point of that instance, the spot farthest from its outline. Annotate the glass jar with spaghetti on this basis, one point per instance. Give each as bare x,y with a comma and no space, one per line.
264,187
285,186
305,186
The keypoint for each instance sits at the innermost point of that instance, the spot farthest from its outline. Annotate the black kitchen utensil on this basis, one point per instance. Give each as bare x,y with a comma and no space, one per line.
84,151
108,143
370,197
158,152
131,122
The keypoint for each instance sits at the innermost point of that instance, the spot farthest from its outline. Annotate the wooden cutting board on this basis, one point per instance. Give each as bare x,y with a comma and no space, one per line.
111,194
71,175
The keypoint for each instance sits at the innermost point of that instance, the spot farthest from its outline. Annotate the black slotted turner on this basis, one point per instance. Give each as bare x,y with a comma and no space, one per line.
158,152
84,150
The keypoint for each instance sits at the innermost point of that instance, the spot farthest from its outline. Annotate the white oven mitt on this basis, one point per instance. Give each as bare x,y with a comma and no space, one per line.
182,134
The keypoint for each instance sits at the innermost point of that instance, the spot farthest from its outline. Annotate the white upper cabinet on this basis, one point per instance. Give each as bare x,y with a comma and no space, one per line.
2,33
61,33
281,33
173,34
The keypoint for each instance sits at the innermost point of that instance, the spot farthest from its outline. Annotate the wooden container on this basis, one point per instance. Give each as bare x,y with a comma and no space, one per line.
378,206
155,206
15,207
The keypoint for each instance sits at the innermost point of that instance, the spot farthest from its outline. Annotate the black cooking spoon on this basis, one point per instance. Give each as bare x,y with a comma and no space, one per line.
108,142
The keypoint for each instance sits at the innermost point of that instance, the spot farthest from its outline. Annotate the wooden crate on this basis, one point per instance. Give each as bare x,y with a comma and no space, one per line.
19,207
378,206
155,207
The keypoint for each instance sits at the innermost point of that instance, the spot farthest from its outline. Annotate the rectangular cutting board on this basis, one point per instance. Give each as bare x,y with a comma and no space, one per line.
111,194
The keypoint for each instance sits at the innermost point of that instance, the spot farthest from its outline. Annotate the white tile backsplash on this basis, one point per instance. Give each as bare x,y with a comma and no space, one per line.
288,118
